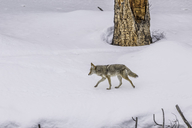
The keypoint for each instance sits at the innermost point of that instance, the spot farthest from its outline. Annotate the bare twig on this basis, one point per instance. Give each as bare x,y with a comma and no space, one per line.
136,121
100,9
162,125
39,126
163,118
176,121
155,121
183,117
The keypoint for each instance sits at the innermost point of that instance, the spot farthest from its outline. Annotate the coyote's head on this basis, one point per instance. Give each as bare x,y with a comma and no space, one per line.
92,69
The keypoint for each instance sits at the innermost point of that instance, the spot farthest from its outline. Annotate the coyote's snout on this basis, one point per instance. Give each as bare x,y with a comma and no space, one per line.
106,71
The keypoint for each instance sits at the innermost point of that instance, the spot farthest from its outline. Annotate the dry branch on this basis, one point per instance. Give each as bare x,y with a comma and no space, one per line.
176,122
136,121
183,117
100,9
163,118
155,121
162,125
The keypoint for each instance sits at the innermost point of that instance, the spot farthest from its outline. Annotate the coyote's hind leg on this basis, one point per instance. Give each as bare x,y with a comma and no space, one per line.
125,76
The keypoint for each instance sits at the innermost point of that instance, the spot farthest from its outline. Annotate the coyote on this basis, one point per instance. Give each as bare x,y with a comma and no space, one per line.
106,71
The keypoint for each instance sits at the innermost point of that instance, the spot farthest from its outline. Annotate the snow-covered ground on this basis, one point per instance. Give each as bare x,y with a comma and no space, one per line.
46,48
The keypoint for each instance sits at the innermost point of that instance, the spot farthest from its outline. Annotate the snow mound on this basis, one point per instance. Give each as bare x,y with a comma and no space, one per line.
45,55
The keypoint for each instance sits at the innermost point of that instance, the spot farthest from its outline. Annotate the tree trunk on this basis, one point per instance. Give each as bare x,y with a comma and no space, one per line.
131,23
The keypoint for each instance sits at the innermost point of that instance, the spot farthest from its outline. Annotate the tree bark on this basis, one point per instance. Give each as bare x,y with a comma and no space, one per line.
131,23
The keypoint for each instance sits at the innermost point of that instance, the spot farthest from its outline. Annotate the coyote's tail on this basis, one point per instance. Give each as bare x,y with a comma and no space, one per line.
130,73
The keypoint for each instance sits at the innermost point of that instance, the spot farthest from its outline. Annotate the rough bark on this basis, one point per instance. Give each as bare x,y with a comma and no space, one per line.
131,23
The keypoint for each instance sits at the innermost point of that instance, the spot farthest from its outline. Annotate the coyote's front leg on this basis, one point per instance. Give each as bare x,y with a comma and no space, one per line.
120,80
102,79
109,80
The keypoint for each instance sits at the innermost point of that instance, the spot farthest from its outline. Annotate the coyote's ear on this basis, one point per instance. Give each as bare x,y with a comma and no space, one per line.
92,65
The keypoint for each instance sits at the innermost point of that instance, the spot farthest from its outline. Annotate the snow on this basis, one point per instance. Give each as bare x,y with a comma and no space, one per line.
46,48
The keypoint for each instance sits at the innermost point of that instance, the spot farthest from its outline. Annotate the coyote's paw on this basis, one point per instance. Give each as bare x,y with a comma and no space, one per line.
117,87
108,88
95,86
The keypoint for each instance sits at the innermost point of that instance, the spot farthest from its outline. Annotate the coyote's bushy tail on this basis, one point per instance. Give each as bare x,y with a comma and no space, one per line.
132,74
